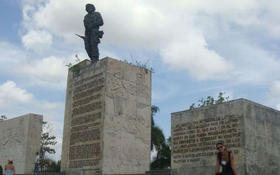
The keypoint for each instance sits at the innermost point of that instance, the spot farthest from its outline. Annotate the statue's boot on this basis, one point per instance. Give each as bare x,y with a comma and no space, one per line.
94,60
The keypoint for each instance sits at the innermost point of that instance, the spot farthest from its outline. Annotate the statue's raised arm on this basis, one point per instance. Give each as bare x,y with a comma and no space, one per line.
92,21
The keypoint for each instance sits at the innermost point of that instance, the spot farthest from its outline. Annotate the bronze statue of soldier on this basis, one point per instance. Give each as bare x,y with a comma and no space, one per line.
92,21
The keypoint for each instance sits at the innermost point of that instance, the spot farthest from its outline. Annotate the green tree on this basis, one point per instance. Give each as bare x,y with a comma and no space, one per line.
210,101
51,165
157,134
46,143
3,117
163,158
54,166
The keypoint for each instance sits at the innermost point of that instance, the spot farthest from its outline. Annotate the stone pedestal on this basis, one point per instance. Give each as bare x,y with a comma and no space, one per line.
107,124
250,130
19,141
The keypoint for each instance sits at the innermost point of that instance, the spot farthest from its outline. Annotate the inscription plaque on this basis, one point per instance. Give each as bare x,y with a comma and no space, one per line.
194,140
85,131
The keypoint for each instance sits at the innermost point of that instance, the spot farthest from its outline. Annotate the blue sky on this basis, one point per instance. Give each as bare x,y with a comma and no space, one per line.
196,48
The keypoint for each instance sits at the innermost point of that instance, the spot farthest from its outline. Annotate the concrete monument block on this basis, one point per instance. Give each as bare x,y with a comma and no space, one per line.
250,130
20,140
107,124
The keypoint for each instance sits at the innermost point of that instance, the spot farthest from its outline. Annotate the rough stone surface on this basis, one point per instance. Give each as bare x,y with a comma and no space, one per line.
20,140
107,124
250,130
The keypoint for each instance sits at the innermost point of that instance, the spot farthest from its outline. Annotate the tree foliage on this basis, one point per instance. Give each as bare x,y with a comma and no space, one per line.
3,117
53,166
46,143
210,101
163,158
157,134
157,137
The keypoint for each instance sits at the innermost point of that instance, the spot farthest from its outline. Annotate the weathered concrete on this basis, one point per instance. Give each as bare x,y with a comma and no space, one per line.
248,129
107,124
20,140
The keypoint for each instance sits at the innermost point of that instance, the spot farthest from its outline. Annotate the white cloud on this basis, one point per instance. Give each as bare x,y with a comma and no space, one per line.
27,11
53,105
143,25
166,92
16,101
273,95
50,72
255,65
50,69
10,55
31,1
62,18
192,54
37,40
172,28
275,89
11,94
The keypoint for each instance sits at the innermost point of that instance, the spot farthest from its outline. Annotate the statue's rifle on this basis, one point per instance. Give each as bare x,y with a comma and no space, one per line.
83,37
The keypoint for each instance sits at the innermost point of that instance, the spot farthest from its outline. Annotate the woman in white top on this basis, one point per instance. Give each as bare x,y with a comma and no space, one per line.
226,160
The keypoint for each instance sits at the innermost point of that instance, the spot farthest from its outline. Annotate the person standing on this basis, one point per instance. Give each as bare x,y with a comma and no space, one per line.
226,160
37,159
9,168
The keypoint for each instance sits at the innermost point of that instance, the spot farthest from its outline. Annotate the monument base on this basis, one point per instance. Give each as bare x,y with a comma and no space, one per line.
250,130
107,124
19,141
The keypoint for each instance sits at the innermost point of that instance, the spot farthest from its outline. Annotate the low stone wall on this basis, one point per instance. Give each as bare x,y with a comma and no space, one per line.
20,140
250,130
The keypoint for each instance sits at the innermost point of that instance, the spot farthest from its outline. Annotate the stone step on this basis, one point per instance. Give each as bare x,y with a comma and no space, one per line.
151,172
159,172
